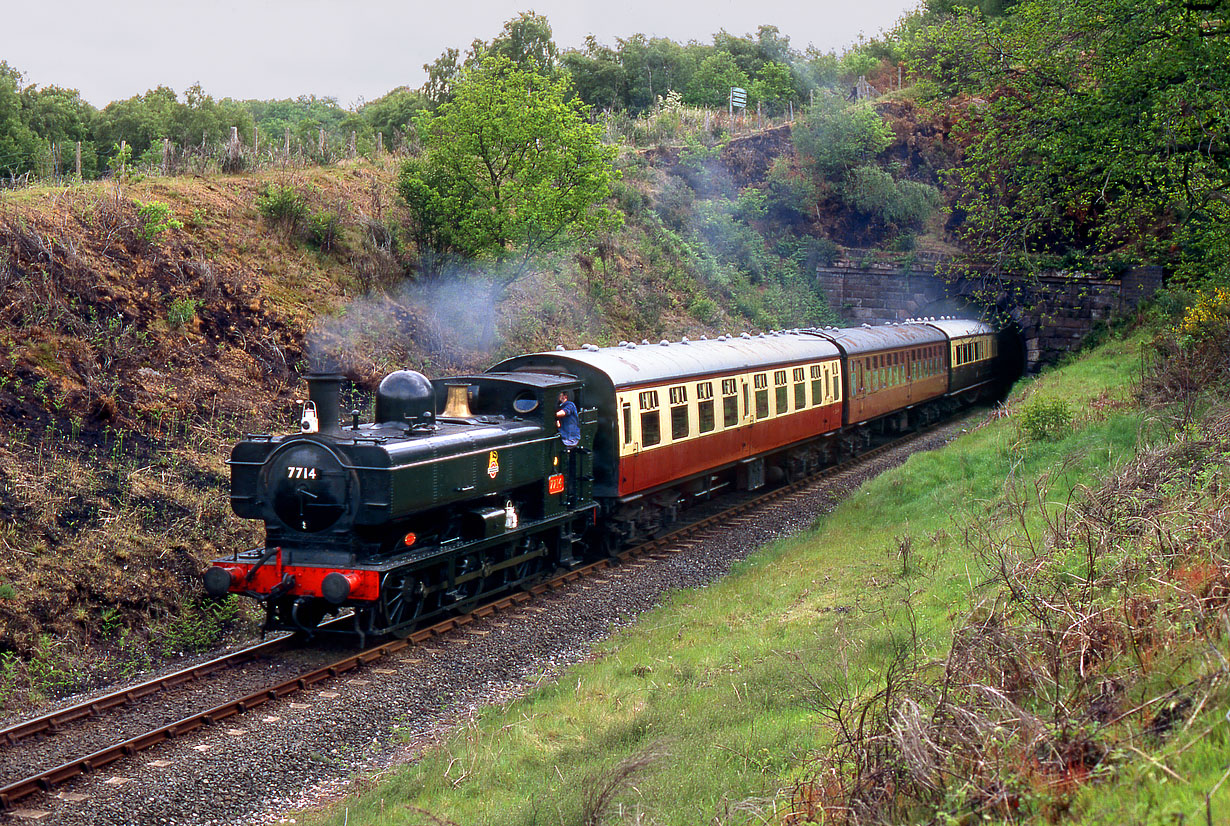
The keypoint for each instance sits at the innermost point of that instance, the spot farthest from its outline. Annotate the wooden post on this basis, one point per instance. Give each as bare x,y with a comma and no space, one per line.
322,142
759,119
234,135
898,77
792,111
78,160
166,156
352,149
256,140
379,143
286,143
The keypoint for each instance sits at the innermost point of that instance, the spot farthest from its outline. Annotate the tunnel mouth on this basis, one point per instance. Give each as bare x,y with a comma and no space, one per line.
1013,348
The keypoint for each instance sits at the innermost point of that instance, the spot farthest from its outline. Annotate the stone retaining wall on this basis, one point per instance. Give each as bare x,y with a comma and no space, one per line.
1054,313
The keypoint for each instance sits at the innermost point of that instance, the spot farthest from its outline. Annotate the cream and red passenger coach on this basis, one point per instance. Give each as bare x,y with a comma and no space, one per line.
679,415
673,411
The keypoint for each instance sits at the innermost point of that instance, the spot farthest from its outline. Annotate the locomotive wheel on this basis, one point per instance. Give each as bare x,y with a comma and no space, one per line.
401,602
462,593
522,571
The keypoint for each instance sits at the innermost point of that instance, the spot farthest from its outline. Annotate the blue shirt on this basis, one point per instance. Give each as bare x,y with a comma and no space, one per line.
569,424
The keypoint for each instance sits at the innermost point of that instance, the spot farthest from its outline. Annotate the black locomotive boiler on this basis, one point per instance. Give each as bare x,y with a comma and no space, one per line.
461,488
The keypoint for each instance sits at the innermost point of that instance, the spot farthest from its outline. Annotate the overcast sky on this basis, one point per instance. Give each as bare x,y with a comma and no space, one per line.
269,49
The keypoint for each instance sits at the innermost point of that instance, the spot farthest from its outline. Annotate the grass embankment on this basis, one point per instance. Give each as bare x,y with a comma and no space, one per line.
826,679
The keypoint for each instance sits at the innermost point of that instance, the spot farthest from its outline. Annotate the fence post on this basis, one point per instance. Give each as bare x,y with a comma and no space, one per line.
322,143
792,111
78,160
351,147
166,156
379,143
286,143
256,140
759,120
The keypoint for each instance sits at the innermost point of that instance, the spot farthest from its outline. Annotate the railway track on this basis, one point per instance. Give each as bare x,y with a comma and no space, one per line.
54,722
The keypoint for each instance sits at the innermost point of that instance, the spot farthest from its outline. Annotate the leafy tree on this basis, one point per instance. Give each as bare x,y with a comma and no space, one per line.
774,86
596,75
140,120
510,168
713,80
526,41
1095,130
394,112
61,118
833,138
774,47
19,146
745,51
441,73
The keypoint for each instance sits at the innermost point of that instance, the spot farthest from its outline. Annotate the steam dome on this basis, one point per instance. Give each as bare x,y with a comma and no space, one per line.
404,393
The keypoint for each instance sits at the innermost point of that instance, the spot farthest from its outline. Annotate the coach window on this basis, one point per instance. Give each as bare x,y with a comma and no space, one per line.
836,384
651,421
704,406
819,378
679,412
781,392
627,411
761,381
730,403
800,388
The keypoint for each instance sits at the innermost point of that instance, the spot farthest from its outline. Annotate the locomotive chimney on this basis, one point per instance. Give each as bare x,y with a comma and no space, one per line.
457,404
325,391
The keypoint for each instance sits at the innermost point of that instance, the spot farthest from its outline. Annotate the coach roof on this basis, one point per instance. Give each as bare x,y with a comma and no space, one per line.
638,364
859,340
961,327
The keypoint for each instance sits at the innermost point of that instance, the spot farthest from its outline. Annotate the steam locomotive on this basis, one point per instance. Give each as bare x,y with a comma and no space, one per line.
461,488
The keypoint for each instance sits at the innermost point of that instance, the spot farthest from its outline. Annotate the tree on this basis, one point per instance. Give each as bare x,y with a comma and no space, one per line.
834,138
713,80
394,112
774,86
1095,132
526,41
510,168
19,146
596,74
440,76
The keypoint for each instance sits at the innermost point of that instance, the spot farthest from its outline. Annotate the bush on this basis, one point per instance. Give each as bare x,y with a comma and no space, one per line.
1044,419
912,203
156,218
322,230
181,311
871,190
1207,319
282,206
703,309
